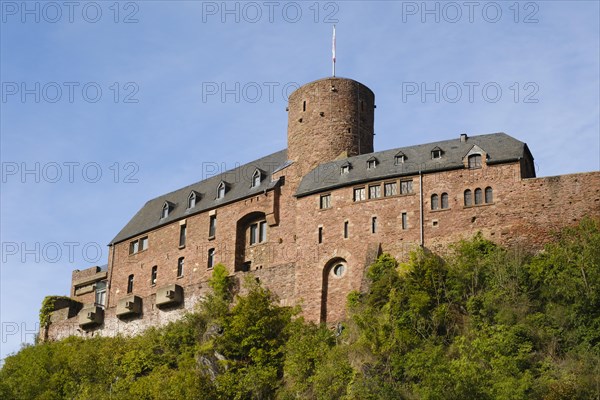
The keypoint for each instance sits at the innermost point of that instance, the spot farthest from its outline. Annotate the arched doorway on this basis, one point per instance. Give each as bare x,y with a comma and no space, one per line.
333,293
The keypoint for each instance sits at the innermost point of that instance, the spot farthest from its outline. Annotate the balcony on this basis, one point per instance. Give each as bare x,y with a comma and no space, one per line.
90,315
168,296
129,306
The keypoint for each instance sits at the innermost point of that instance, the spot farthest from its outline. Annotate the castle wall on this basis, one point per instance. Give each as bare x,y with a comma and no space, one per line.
314,256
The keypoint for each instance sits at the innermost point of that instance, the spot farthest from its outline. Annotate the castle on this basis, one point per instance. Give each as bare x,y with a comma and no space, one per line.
307,221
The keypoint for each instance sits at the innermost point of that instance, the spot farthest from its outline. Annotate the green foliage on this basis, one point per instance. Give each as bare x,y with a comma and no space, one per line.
219,282
47,309
483,323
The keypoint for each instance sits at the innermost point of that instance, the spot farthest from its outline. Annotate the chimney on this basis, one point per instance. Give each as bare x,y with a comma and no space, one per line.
463,137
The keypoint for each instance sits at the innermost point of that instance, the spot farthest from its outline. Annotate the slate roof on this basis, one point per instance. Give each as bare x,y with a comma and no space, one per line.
238,181
499,147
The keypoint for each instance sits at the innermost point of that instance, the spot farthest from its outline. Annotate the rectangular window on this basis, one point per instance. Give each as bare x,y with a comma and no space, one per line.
180,267
359,194
404,221
101,293
134,247
182,234
211,258
262,231
406,187
325,201
258,232
390,189
320,238
346,230
374,225
138,245
253,234
153,275
212,226
374,192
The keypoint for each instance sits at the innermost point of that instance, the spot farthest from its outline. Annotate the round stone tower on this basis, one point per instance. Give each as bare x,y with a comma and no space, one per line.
328,119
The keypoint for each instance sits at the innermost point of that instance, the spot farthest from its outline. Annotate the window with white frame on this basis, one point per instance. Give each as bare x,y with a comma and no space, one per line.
221,190
390,189
325,201
406,187
192,198
359,194
256,178
374,191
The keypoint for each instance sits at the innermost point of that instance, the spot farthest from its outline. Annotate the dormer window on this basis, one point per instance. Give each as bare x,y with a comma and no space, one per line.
166,209
436,153
221,190
193,199
399,158
474,161
256,178
371,163
345,168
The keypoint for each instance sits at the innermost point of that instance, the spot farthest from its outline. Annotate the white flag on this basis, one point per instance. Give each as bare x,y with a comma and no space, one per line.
333,45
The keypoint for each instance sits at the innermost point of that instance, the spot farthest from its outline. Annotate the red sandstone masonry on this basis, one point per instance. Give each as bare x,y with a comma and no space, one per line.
292,263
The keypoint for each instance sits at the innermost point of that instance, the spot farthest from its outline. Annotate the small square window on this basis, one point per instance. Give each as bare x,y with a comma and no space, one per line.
345,169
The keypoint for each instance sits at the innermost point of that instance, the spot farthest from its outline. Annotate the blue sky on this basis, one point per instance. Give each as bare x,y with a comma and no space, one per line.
106,105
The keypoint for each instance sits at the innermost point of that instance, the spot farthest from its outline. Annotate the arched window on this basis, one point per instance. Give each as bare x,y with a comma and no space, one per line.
192,200
154,275
180,262
468,199
478,196
165,210
489,195
256,178
474,161
444,200
221,190
434,202
130,284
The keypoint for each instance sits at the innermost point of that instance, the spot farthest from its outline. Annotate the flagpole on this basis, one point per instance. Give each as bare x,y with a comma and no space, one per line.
333,51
